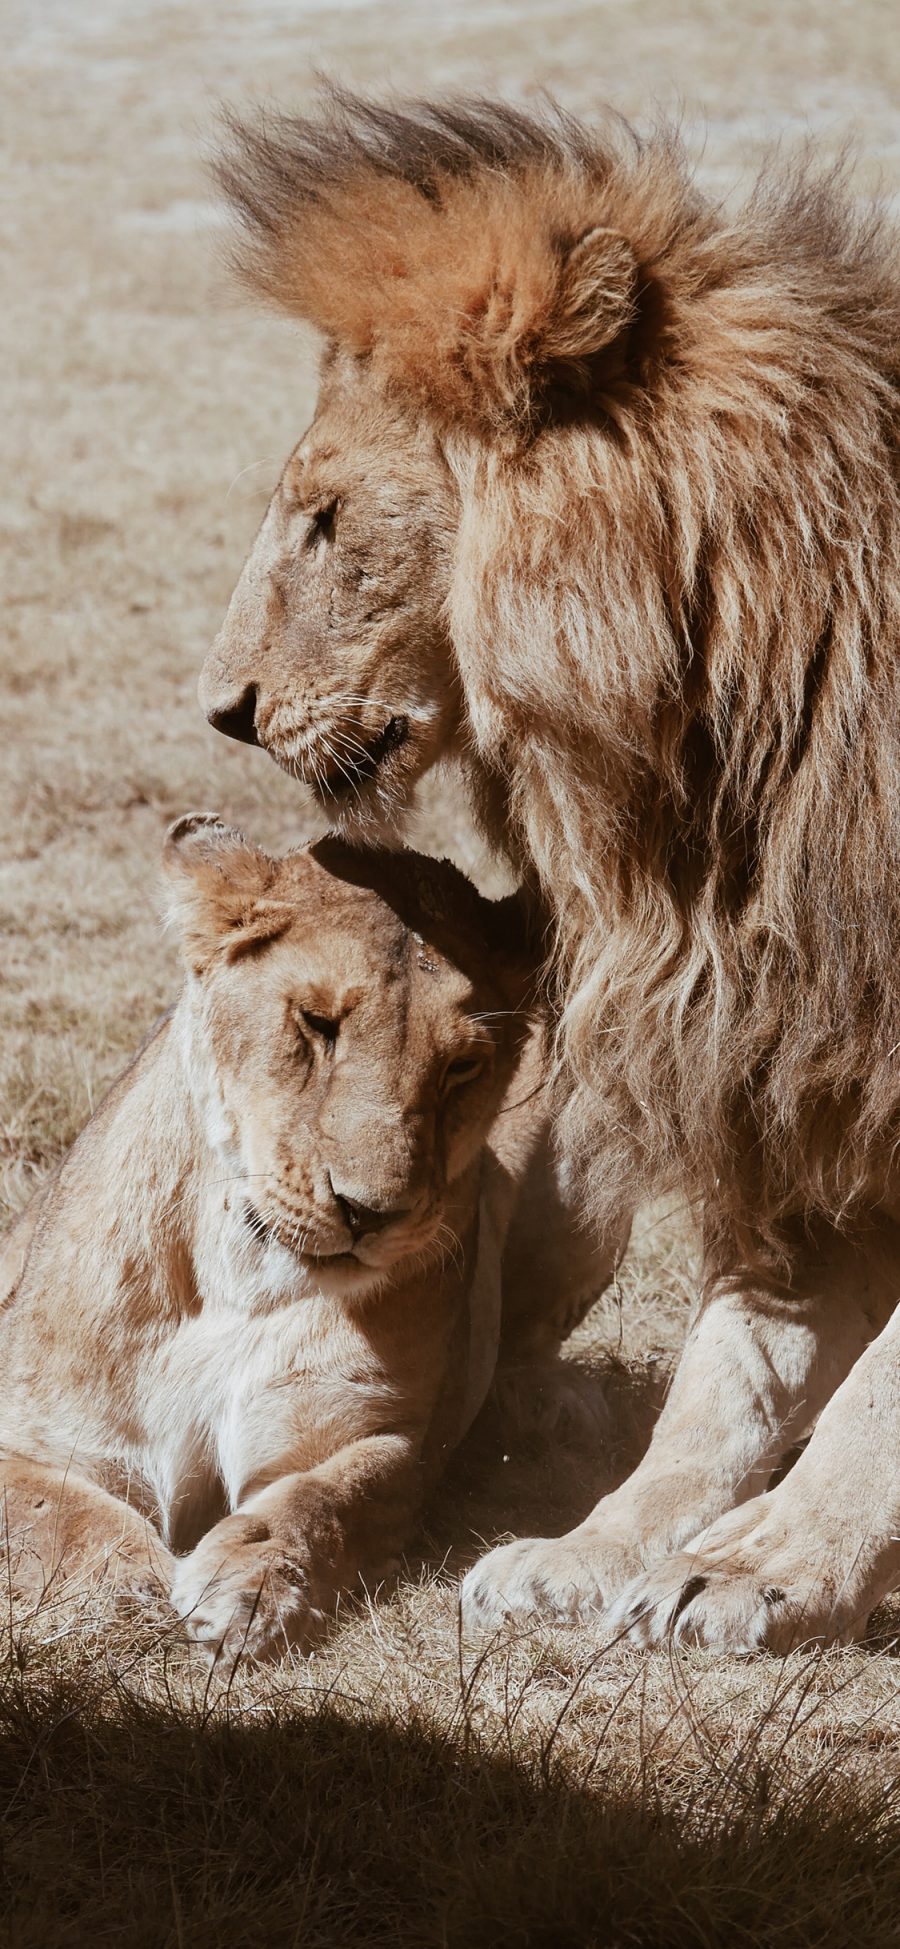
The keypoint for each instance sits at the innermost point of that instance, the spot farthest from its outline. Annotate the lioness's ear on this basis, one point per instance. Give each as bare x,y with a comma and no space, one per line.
217,882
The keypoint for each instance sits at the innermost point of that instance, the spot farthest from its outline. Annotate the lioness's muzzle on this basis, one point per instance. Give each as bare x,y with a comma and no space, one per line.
234,716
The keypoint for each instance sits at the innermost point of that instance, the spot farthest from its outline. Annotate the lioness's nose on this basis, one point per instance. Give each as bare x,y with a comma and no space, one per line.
235,717
361,1218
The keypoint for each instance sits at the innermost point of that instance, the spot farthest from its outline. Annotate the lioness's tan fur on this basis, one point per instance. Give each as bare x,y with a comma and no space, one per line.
260,1301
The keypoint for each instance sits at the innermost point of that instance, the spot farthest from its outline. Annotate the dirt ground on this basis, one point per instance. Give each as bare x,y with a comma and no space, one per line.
558,1792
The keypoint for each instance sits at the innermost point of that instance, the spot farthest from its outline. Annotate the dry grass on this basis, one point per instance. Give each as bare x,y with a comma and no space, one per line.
394,1790
562,1791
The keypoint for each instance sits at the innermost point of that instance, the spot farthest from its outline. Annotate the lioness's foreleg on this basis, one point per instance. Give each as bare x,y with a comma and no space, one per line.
757,1367
271,1574
554,1266
57,1529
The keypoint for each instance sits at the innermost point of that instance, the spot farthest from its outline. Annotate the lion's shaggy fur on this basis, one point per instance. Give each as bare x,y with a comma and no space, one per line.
675,608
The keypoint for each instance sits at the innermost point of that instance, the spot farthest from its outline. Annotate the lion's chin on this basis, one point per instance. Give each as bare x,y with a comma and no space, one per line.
346,1275
365,794
360,783
347,771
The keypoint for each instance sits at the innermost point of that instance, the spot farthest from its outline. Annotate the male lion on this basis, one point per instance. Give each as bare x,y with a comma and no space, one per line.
601,494
260,1300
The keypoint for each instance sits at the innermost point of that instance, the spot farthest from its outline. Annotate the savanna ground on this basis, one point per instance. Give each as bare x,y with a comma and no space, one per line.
397,1788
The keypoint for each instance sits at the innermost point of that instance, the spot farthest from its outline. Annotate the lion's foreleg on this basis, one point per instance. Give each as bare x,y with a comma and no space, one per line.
271,1574
756,1369
807,1561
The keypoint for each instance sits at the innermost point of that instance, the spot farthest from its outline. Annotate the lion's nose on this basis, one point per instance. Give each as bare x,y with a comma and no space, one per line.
360,1218
235,717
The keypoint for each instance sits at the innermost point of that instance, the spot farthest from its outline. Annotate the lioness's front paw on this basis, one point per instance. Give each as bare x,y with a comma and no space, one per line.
751,1582
246,1599
563,1579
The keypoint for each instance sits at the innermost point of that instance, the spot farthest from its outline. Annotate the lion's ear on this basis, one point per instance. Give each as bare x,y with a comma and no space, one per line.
547,318
595,298
217,884
477,284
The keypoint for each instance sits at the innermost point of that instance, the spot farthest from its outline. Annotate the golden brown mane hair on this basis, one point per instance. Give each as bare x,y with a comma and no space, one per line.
676,602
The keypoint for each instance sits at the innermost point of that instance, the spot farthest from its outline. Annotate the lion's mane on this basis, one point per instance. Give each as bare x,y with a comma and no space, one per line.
676,609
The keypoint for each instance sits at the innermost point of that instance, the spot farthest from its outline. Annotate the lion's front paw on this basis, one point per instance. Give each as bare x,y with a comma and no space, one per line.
562,1580
246,1599
751,1582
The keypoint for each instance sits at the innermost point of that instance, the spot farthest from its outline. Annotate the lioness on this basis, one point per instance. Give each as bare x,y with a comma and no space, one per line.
259,1301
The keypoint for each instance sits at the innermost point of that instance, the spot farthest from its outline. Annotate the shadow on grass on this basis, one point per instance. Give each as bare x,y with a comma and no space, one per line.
539,1477
153,1824
138,1808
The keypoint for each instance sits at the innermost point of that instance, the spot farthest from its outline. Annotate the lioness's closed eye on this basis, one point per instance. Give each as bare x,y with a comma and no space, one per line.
260,1300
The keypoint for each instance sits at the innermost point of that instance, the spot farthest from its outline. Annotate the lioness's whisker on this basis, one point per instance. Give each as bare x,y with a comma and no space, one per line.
498,1014
454,1243
348,775
347,738
266,461
349,747
243,1177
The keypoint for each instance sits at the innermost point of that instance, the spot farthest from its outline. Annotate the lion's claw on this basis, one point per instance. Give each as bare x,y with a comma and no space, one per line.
747,1584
